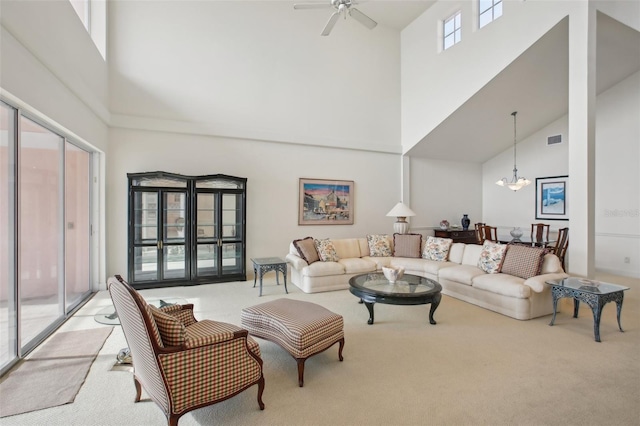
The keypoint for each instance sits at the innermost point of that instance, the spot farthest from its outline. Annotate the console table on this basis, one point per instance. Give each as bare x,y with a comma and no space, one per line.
594,293
262,265
457,235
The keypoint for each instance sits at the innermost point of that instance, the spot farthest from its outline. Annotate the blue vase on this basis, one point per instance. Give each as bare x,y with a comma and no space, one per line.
465,222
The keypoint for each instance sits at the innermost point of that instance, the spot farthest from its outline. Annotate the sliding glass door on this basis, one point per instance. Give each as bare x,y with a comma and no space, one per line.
40,254
45,231
8,309
77,230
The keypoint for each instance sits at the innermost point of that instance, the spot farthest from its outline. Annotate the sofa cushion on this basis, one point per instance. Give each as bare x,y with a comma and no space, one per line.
380,261
422,265
379,245
326,250
407,245
551,264
456,252
357,265
463,274
503,284
491,257
437,249
307,249
347,247
323,269
523,261
471,254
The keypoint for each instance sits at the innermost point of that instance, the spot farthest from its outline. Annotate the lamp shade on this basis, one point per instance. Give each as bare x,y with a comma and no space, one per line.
401,210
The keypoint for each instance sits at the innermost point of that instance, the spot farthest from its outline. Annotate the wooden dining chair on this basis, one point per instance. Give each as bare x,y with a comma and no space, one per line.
562,243
479,239
488,233
539,233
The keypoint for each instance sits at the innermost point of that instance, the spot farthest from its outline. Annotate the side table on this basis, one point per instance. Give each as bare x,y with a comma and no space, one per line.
262,265
594,293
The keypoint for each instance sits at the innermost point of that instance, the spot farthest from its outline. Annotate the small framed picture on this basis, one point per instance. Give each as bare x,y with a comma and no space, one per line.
551,198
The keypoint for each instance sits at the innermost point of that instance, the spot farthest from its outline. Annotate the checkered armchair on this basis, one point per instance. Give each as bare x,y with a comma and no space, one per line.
184,364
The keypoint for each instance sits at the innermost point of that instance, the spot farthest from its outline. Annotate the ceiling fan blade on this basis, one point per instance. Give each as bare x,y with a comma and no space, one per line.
332,21
311,5
362,18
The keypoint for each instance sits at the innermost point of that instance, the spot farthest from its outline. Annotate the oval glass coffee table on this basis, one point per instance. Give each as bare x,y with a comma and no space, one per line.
374,288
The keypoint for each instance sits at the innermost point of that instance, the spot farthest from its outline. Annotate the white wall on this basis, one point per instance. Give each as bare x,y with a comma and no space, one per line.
618,178
272,169
51,66
506,209
435,84
444,190
254,70
617,196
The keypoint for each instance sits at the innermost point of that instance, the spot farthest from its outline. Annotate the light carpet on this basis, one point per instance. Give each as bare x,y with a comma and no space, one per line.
475,367
53,374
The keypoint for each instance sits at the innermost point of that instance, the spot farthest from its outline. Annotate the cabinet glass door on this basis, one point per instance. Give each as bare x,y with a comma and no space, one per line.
232,258
159,245
145,236
174,260
206,235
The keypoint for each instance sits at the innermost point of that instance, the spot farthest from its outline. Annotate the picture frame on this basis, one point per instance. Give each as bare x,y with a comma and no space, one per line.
325,202
551,198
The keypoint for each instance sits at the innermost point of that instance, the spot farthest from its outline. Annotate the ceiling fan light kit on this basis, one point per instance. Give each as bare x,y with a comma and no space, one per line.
343,8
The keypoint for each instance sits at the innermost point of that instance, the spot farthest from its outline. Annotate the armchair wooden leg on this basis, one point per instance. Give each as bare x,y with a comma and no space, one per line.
260,390
138,389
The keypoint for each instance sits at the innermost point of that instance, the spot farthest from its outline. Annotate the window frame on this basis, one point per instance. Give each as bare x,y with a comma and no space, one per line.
456,33
496,6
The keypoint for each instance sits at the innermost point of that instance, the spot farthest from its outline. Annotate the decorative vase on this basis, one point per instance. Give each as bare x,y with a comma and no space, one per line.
444,224
516,233
393,274
465,222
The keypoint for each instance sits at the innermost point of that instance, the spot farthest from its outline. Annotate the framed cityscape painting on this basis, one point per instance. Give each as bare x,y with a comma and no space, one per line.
325,202
551,198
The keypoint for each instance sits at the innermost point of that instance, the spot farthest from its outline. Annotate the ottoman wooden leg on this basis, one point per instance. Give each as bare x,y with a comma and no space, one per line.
302,360
301,371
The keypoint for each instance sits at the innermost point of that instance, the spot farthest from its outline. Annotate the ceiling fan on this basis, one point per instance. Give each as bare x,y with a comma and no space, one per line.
342,7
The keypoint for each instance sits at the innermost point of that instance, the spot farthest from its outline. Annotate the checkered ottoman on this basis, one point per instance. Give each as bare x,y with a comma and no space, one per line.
302,328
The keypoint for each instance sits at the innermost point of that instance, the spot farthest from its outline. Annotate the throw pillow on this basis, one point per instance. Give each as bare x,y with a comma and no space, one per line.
491,257
523,261
326,250
171,329
379,246
407,245
307,249
437,248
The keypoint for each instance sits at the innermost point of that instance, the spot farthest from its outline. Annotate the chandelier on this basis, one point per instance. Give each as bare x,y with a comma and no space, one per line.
516,182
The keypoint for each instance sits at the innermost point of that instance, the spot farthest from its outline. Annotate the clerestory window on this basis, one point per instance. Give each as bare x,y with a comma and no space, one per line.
452,31
489,11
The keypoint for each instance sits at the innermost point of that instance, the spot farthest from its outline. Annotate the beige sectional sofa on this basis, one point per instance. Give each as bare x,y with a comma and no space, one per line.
459,276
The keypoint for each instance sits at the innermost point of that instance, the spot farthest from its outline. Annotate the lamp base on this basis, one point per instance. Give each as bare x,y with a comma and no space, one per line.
401,227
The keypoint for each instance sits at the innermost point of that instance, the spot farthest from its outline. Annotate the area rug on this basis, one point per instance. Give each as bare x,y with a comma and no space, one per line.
54,373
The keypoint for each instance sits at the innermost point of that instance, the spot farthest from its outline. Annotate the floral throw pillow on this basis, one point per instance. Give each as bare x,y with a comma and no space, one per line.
437,249
379,246
491,257
326,250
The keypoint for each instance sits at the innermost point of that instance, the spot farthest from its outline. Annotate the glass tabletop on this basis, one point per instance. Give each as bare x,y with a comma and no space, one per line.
587,285
108,315
267,260
407,285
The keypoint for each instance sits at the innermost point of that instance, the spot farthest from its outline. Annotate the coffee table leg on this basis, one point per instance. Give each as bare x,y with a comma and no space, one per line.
370,308
434,306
